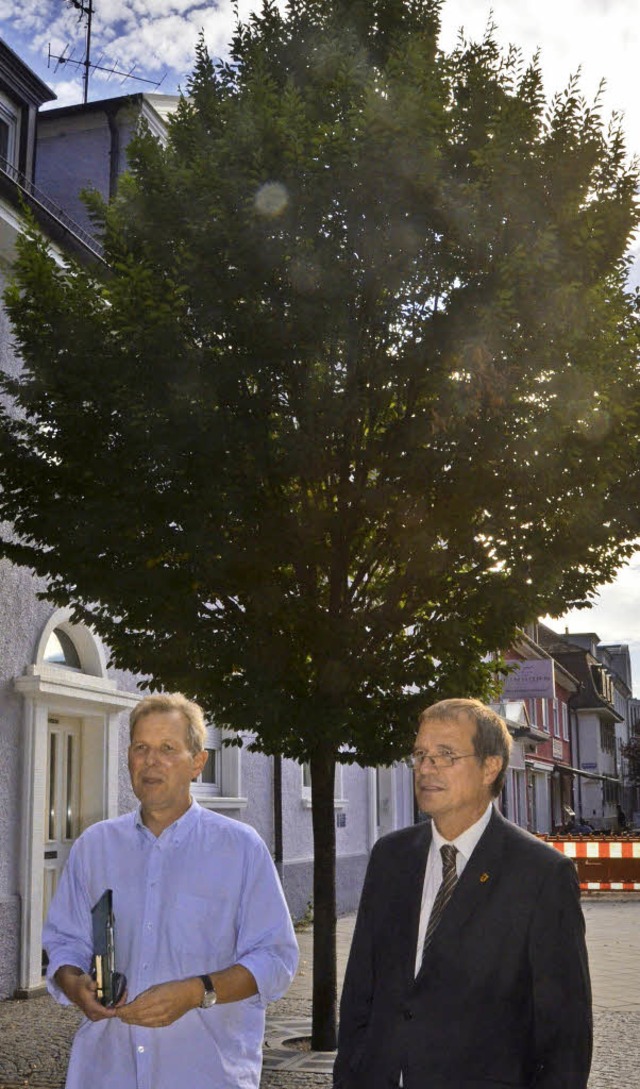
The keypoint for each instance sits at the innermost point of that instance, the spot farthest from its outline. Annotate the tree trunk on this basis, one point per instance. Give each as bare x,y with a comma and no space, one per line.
323,1033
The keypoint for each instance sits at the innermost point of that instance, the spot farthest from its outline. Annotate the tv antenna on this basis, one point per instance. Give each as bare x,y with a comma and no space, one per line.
86,10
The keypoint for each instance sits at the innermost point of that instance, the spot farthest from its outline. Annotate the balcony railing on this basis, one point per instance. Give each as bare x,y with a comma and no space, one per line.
39,197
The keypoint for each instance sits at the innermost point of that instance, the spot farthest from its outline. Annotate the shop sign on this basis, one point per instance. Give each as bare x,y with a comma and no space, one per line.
531,680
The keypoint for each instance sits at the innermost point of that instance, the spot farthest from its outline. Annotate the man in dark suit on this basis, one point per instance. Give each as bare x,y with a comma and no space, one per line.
468,968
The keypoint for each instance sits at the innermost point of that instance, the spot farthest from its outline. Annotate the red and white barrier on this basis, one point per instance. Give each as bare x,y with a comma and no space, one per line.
595,849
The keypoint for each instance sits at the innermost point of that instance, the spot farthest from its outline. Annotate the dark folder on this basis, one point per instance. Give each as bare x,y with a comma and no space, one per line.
111,984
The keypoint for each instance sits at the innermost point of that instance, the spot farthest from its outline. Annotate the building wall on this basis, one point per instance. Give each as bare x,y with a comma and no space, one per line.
74,154
22,616
352,837
594,760
87,148
589,726
257,788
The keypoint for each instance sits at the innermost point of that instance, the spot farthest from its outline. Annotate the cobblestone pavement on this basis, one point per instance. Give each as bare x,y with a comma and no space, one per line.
35,1035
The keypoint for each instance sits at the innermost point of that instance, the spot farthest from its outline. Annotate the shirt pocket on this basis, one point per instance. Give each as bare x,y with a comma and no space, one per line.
202,931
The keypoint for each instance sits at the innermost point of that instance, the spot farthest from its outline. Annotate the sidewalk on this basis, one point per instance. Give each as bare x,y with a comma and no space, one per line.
613,937
35,1035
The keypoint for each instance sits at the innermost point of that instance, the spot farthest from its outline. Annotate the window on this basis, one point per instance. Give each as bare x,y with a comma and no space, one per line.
607,737
565,721
61,651
556,719
610,792
545,715
306,780
378,787
5,136
208,782
306,784
9,132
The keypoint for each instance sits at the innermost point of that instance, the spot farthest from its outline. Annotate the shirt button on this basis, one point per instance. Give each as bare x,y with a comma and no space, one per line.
149,926
141,1048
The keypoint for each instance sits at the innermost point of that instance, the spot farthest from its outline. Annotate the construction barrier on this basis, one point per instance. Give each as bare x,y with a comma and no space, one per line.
604,863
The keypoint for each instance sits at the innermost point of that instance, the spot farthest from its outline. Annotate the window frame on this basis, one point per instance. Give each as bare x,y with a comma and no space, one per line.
203,790
545,715
10,118
565,720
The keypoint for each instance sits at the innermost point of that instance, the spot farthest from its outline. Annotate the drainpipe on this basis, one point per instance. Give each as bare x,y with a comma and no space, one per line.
114,153
576,749
277,817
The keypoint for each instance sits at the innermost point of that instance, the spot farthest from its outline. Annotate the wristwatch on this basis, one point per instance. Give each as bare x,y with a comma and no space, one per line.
210,996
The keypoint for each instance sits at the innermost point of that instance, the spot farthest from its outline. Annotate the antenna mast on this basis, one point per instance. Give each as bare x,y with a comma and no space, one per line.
86,10
85,7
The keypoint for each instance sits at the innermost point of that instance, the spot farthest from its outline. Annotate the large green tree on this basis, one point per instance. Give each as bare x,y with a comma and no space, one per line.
351,397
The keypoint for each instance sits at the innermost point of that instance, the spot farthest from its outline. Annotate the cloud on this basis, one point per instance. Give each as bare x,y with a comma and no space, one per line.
66,91
155,36
598,37
614,615
158,36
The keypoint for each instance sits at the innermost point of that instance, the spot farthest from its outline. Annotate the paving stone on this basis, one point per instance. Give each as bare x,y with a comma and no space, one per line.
35,1035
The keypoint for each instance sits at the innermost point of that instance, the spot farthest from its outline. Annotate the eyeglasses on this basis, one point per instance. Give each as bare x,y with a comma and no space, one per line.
441,760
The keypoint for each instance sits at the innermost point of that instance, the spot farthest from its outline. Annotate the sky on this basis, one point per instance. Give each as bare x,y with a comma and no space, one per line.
599,39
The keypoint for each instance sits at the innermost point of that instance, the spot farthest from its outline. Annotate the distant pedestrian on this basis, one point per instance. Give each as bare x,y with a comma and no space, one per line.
622,818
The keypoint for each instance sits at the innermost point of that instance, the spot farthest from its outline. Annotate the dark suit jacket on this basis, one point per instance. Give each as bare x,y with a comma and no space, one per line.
503,997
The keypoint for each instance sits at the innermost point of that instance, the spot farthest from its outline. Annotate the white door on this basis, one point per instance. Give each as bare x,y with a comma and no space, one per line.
62,816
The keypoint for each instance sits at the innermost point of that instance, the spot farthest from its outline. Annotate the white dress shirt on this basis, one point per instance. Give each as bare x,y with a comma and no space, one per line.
465,845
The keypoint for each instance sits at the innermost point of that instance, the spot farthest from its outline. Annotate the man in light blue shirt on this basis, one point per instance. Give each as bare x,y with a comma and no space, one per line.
203,933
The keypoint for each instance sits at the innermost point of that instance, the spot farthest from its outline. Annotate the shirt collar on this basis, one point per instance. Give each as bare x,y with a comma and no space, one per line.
176,832
467,842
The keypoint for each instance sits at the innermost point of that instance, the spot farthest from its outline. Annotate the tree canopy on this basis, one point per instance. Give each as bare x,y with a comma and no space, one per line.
354,393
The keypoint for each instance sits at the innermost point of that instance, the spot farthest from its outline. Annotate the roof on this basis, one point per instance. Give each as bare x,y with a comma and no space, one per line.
572,651
161,104
21,81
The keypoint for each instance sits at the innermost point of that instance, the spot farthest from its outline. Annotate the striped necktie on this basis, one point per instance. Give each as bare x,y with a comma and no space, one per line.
449,881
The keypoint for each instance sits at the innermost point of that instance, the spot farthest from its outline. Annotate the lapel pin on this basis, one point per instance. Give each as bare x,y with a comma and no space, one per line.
484,877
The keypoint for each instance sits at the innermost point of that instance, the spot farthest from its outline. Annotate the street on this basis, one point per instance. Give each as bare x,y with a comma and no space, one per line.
35,1035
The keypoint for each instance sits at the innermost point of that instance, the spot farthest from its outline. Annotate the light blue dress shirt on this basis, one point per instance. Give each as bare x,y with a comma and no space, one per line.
198,898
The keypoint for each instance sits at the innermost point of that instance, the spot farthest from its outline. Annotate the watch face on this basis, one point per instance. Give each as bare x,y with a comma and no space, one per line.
210,996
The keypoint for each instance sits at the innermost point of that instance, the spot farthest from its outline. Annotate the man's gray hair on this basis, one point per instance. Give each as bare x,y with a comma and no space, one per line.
164,702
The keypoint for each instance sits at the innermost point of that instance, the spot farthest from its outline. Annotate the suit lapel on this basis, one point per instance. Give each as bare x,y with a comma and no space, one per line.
415,884
473,888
